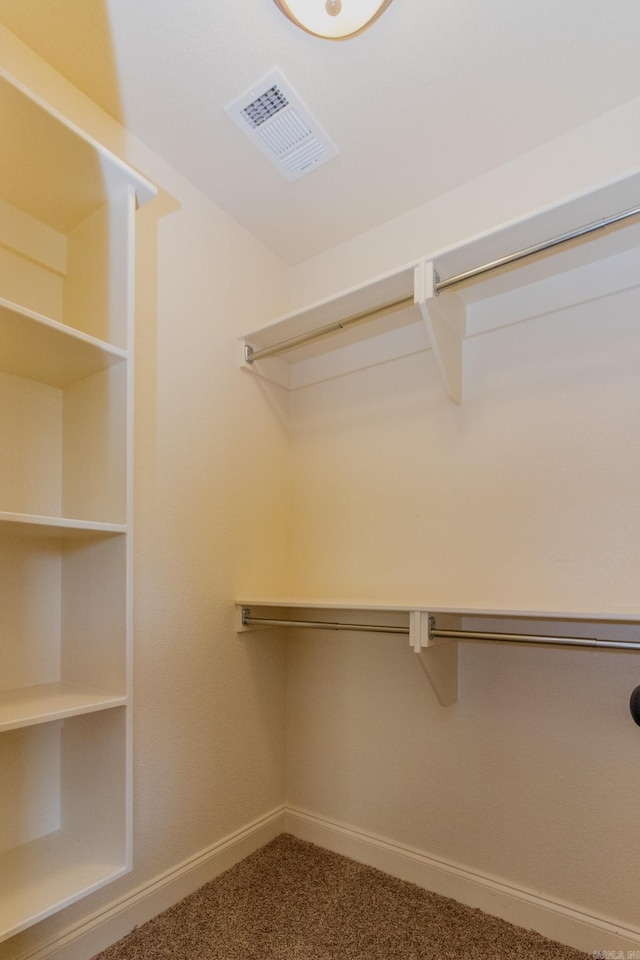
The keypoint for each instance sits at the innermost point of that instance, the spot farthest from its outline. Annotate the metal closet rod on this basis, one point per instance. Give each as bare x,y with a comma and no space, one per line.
252,355
434,632
537,248
533,638
249,621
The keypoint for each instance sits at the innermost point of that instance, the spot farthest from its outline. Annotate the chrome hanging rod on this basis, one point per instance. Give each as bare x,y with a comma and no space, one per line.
532,638
251,355
537,248
435,633
249,621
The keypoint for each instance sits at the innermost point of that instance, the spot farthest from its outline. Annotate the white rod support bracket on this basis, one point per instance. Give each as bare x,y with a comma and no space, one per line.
414,631
419,630
421,625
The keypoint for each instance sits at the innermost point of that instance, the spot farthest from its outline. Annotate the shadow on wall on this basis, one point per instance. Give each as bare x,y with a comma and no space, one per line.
74,37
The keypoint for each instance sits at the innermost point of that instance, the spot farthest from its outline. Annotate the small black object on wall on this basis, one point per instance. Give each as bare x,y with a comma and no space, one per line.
634,705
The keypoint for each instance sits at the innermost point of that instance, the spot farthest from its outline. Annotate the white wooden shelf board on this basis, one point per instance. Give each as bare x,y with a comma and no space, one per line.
45,702
577,212
620,614
599,264
50,168
42,876
356,300
37,348
58,528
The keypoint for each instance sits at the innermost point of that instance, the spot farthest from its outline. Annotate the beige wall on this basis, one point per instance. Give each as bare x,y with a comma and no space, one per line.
209,709
524,496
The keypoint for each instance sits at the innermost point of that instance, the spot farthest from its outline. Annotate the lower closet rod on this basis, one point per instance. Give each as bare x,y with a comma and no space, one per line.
533,638
248,621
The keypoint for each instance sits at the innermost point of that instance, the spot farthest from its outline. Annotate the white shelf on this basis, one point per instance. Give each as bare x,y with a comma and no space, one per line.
50,168
47,702
58,528
43,876
38,348
314,361
456,608
371,296
443,321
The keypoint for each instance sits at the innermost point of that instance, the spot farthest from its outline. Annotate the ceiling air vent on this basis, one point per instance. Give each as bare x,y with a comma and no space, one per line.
279,124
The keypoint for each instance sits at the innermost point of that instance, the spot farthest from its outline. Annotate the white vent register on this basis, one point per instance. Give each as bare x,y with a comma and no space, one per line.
274,117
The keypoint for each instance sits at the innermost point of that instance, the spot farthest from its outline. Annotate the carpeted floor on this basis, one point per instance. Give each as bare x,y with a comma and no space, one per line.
295,901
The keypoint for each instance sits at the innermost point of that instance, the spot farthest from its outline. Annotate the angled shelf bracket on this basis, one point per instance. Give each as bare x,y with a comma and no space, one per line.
444,316
438,656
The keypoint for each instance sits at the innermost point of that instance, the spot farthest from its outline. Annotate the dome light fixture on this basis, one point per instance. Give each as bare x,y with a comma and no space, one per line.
333,19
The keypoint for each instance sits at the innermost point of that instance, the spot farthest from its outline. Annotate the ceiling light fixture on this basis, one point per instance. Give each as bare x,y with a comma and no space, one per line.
333,19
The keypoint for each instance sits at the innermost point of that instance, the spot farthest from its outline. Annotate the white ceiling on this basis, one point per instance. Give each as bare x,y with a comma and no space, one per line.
434,94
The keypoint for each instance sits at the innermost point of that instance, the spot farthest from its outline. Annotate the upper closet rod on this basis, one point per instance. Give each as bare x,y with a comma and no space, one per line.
251,355
248,621
536,248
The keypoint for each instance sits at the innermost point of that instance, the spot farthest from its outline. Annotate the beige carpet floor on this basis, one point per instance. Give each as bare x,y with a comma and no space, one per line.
295,901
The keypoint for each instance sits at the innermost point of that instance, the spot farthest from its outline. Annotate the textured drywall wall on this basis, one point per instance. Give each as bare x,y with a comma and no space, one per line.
209,709
522,497
526,495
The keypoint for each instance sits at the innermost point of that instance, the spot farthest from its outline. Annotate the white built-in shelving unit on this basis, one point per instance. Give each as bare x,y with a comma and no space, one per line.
66,411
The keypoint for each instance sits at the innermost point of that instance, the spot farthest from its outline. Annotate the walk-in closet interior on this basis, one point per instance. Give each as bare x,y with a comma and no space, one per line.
320,473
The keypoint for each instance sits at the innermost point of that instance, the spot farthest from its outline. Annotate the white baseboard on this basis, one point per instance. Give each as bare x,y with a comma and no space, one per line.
84,940
558,921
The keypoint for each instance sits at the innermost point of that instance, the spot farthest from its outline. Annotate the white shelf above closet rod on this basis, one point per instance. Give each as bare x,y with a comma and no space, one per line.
251,355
